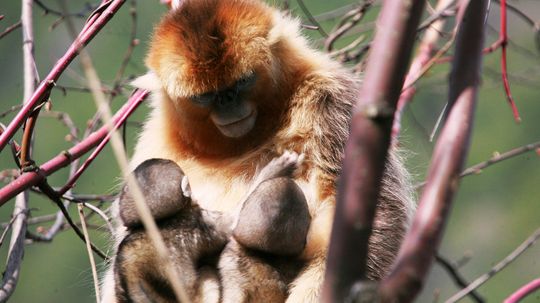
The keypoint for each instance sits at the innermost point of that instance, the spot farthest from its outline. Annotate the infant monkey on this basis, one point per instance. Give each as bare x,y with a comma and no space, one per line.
253,250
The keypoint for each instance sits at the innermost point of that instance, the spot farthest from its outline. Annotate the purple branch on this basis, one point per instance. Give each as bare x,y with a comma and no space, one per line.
421,243
26,180
366,150
95,24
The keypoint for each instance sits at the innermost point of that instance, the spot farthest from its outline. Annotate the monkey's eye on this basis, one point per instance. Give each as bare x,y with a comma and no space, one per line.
203,99
246,81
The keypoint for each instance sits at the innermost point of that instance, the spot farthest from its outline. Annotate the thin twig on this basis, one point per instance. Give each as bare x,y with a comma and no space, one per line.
133,42
31,178
352,18
66,120
528,243
425,50
9,111
80,208
336,13
47,190
7,226
311,18
496,158
95,23
521,14
476,169
82,14
35,220
457,278
98,211
10,29
504,69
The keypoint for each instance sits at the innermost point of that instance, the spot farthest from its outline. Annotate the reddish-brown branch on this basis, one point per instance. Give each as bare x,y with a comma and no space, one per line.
501,43
425,51
504,70
29,179
95,23
524,291
420,244
367,147
92,157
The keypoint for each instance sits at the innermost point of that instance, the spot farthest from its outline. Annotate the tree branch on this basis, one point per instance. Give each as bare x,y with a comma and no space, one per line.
528,243
367,147
95,23
28,179
421,242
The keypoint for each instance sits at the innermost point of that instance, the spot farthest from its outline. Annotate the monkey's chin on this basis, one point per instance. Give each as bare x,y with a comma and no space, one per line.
238,128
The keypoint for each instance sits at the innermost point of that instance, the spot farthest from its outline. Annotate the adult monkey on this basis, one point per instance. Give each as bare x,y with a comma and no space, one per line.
235,85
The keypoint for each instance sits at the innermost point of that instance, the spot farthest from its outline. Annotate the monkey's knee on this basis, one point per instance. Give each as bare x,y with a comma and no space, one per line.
161,182
274,219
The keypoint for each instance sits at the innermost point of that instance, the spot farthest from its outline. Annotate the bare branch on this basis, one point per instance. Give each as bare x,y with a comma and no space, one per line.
10,29
89,250
421,242
496,158
20,210
425,51
95,23
457,278
351,19
28,179
47,10
311,18
367,147
528,243
10,110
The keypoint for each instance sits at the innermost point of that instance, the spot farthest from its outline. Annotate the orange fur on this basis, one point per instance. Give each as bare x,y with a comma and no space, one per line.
304,101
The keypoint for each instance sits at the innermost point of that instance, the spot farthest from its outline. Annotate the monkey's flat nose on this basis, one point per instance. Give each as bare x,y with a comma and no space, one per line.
226,100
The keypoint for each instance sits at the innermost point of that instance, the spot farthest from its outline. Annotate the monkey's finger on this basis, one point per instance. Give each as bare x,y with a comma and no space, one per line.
186,189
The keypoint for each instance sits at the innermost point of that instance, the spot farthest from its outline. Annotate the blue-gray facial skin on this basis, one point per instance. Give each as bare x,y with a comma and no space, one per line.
231,111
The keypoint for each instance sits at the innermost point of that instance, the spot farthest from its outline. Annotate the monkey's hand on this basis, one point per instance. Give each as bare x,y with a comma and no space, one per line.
285,165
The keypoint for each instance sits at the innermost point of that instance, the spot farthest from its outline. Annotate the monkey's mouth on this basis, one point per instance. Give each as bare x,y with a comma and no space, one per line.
240,127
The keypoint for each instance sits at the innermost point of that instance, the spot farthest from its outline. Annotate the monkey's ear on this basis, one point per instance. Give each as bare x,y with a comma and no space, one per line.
148,81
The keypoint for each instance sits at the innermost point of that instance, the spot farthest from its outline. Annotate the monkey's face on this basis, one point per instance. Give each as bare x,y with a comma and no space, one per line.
215,61
230,108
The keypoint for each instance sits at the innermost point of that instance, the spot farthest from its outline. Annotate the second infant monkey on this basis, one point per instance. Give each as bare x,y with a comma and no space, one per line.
271,226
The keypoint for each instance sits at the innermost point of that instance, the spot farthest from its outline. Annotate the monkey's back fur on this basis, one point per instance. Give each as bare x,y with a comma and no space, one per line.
304,101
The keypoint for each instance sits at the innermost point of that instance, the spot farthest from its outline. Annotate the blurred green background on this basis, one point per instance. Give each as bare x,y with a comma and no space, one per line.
492,214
